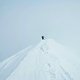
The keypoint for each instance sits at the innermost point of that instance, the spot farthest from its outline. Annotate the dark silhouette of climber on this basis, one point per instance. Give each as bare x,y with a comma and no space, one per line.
42,37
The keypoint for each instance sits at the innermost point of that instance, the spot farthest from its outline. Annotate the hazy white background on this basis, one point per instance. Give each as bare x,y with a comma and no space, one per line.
22,22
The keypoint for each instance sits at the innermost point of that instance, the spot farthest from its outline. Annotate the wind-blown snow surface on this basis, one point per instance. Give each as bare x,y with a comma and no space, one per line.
9,65
47,61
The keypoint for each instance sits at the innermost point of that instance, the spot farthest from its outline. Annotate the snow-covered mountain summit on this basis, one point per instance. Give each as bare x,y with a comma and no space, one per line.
46,61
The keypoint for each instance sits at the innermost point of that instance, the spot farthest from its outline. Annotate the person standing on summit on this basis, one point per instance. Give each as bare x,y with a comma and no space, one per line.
42,37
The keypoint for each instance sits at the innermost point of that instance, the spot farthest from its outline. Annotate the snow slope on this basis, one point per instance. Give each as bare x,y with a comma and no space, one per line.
49,60
10,64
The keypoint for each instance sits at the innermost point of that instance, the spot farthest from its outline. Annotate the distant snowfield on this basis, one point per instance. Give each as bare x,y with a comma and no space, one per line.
49,60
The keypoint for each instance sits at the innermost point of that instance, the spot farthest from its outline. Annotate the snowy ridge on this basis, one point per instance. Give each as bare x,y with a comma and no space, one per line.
41,64
47,61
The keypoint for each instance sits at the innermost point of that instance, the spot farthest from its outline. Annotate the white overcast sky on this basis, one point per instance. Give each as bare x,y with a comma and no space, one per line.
22,22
